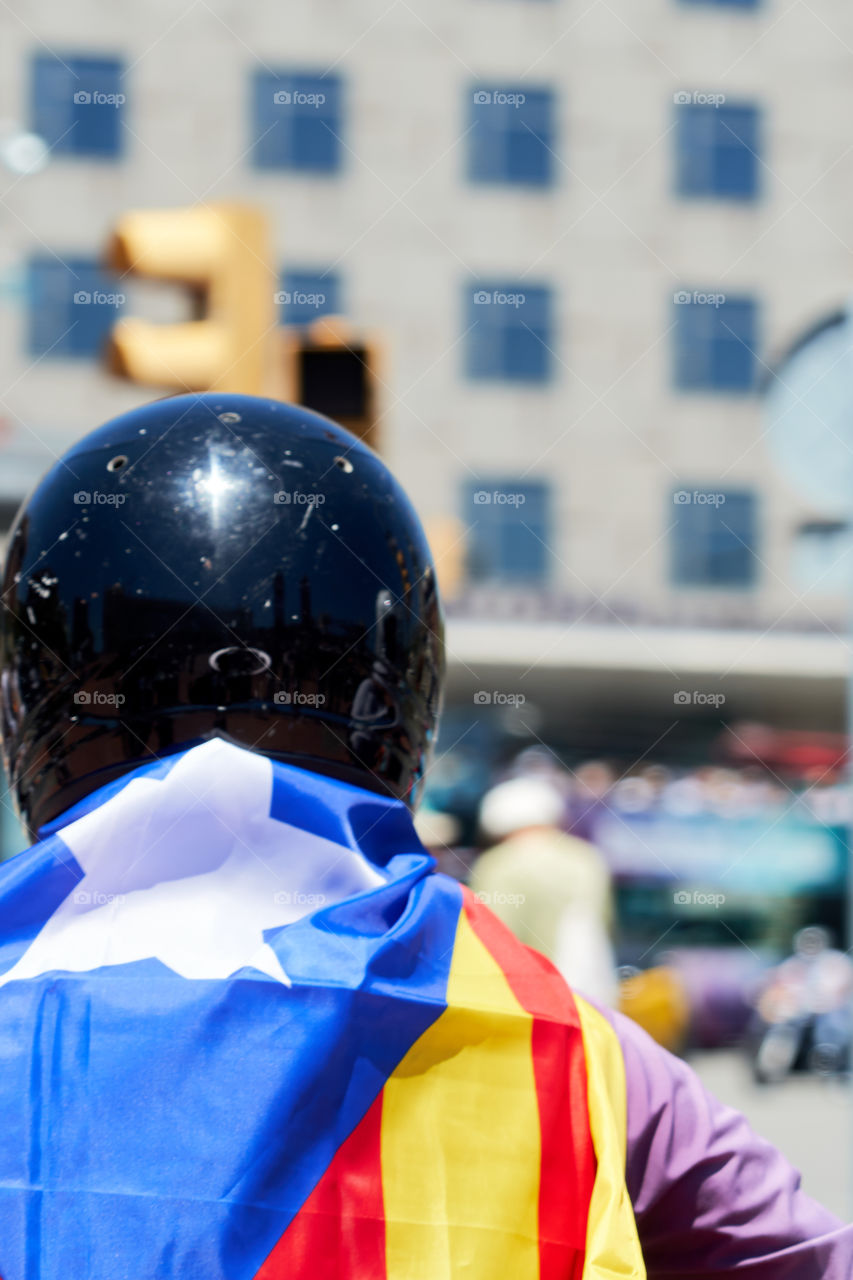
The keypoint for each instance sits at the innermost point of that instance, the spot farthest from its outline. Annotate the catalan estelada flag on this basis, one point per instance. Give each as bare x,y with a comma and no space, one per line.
248,1033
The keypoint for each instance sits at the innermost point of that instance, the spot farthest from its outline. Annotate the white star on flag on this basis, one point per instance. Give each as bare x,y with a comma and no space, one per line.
190,869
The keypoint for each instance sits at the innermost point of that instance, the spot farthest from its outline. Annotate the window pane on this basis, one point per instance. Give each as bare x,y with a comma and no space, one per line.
73,305
715,342
713,538
511,139
305,295
511,530
76,104
717,150
510,332
296,121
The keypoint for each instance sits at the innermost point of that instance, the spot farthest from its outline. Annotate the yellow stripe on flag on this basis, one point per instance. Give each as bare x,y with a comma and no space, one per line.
612,1244
460,1135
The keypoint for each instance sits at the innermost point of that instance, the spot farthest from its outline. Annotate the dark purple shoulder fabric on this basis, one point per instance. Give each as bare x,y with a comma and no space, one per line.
710,1197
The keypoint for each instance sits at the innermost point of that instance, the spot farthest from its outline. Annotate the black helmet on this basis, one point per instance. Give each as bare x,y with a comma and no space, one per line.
217,565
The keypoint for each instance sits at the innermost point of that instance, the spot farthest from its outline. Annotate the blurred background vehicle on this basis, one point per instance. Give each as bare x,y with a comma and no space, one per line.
804,1012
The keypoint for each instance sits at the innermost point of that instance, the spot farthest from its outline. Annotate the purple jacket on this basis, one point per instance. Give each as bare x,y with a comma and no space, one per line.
710,1197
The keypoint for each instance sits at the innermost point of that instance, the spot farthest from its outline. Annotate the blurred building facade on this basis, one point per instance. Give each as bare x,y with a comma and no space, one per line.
583,234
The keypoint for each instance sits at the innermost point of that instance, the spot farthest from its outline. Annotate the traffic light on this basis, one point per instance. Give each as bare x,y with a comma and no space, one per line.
220,253
331,370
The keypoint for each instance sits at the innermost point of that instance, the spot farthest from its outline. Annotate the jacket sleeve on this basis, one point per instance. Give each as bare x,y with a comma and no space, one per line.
710,1197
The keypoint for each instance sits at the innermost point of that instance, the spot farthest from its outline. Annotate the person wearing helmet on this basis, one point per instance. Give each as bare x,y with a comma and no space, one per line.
246,1029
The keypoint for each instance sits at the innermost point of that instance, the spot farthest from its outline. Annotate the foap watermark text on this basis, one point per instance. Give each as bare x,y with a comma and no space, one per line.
498,298
286,98
698,98
98,698
697,698
85,98
93,497
498,98
298,498
84,298
296,298
696,298
298,898
699,497
500,899
496,698
698,898
500,498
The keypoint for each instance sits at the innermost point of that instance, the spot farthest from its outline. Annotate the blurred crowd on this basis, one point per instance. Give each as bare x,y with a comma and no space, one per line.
711,790
527,848
820,794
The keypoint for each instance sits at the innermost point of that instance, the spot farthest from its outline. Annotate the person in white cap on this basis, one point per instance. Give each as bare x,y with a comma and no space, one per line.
552,889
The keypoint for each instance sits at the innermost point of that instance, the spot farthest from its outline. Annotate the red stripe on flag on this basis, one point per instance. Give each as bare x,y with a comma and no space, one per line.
340,1230
559,1064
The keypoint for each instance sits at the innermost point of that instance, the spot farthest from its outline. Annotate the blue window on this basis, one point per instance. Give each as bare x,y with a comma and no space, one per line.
715,342
714,538
73,305
296,121
509,332
511,138
509,526
76,105
305,295
717,150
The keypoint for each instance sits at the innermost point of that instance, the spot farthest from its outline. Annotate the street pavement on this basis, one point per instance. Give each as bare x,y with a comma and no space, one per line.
809,1119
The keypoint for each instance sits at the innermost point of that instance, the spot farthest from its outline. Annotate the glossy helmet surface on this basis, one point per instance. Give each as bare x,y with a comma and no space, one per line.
217,565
